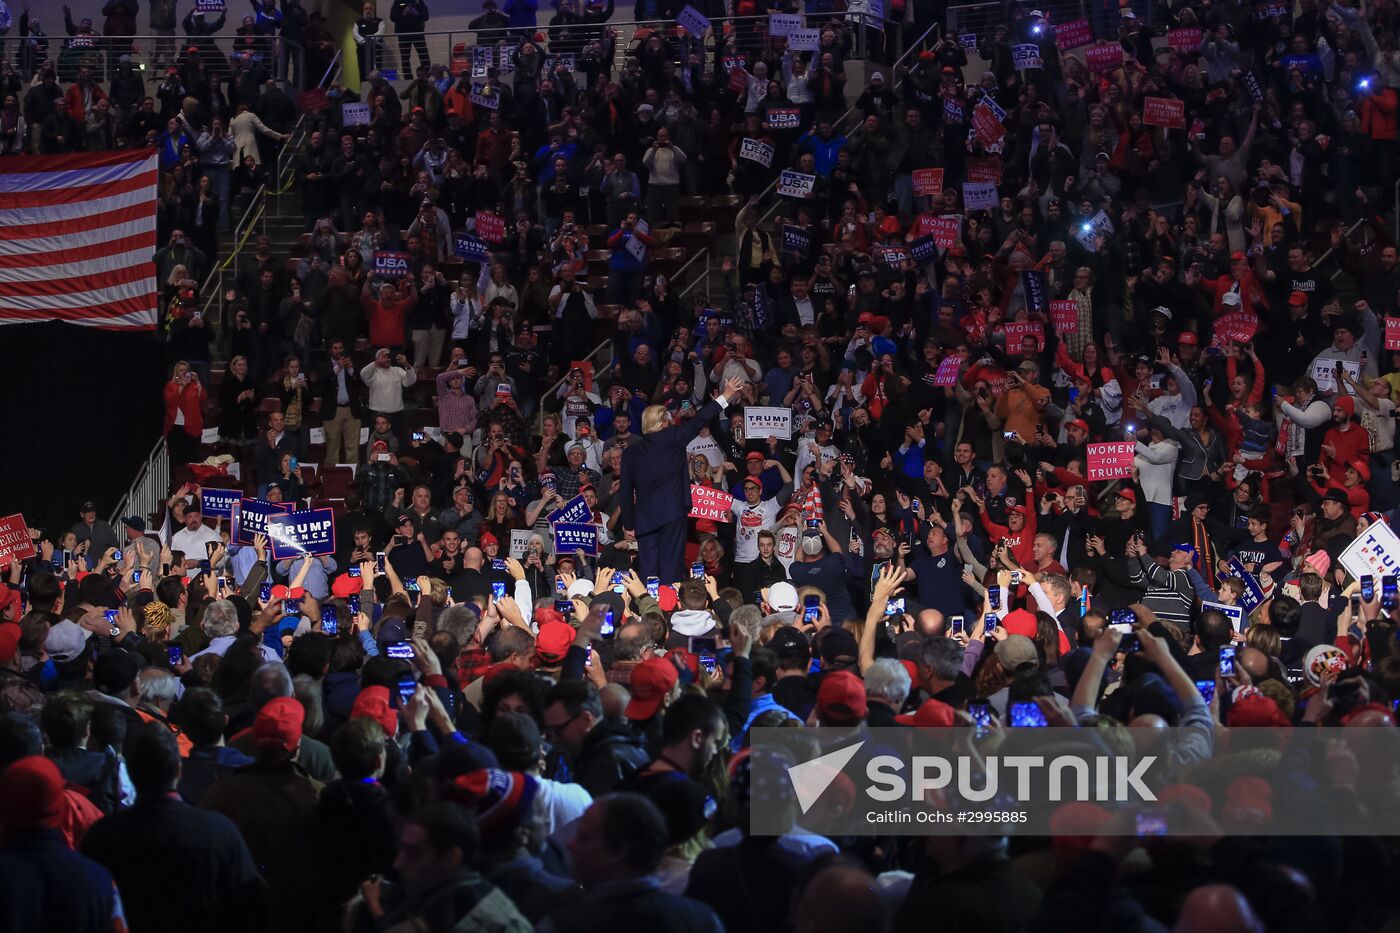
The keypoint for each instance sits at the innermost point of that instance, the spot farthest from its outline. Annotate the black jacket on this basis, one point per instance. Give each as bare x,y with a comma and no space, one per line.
611,754
328,389
207,880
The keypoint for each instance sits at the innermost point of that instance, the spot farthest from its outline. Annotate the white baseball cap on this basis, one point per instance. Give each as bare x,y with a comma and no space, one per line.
782,597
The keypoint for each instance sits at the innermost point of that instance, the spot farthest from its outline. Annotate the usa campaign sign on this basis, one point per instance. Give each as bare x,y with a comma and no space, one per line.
484,95
309,532
760,421
251,518
986,123
796,184
575,511
756,150
1025,55
784,118
893,255
15,543
711,504
570,538
1376,551
218,503
470,248
1073,34
391,263
1113,460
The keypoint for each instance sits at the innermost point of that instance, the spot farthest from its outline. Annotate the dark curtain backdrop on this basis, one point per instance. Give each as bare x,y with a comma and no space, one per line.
82,408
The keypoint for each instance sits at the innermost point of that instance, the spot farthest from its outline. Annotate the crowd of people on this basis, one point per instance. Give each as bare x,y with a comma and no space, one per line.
858,487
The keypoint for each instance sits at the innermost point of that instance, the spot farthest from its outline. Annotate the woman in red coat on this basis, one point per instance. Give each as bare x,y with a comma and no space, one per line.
184,413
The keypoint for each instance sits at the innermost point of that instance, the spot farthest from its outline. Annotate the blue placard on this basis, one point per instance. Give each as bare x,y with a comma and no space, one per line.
1033,283
218,503
392,264
570,538
574,512
796,240
1253,593
252,518
470,248
761,320
924,250
309,532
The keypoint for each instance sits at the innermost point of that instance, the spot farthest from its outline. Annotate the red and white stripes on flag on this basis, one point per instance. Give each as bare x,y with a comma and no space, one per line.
77,233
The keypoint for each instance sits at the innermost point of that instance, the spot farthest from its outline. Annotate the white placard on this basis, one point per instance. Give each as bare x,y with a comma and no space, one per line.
782,24
209,436
795,184
1324,373
519,542
1099,224
352,114
694,21
979,195
1234,613
767,422
756,150
1376,551
484,96
636,248
1025,55
317,436
364,436
641,226
804,40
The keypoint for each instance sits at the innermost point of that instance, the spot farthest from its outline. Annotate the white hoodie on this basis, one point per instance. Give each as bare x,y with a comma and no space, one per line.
692,622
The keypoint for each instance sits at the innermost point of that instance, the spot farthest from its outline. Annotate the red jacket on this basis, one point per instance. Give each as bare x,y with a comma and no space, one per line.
189,399
1378,114
74,100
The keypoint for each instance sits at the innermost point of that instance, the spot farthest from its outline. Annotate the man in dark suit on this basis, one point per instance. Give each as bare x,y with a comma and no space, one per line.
338,387
655,486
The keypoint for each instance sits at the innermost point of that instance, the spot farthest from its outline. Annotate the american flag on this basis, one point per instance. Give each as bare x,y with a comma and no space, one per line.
77,233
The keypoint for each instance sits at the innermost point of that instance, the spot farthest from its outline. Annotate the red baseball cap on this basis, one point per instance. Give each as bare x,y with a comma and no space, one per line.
930,714
279,723
488,538
1126,493
841,699
754,455
373,703
345,586
1187,337
1298,299
651,681
1079,423
553,641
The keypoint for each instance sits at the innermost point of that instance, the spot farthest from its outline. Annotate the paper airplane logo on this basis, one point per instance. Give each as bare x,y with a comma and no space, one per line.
811,778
